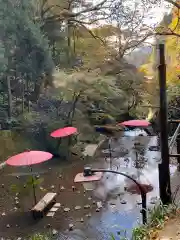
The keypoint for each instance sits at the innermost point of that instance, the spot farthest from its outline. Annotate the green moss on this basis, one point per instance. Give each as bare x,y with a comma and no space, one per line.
12,142
39,236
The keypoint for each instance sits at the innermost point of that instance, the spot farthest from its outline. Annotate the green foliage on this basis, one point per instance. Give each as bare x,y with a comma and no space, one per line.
139,233
39,236
101,119
159,212
112,237
121,235
157,217
25,188
23,42
97,92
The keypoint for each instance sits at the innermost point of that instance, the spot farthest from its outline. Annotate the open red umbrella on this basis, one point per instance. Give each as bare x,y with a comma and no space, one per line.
135,123
134,189
29,158
63,132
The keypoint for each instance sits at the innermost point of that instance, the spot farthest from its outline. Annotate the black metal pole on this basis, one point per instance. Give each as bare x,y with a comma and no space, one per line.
178,152
88,172
164,172
110,153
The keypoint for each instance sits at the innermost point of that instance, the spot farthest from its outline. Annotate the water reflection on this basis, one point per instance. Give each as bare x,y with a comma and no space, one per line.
141,163
117,221
121,210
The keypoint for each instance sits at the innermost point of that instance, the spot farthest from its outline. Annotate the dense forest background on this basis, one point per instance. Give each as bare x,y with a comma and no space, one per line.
79,63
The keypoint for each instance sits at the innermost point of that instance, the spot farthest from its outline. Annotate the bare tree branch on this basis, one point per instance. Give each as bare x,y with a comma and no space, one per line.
91,33
65,14
175,3
88,23
169,34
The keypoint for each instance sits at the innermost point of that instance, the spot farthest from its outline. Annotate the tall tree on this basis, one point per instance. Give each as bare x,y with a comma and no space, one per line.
27,62
68,14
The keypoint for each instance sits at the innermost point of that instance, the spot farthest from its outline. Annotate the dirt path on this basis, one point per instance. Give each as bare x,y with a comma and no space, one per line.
171,230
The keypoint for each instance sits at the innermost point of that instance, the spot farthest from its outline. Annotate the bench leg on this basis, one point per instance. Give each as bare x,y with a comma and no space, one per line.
37,215
34,215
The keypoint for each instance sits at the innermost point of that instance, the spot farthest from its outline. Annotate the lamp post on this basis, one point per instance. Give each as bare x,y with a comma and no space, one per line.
164,172
89,176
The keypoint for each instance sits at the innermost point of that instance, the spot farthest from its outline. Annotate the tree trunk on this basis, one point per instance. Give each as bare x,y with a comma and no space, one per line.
37,91
68,44
9,98
72,111
74,42
71,114
28,106
23,86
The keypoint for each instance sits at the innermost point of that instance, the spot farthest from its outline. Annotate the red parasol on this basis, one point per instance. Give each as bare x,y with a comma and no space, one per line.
64,132
134,189
136,123
29,158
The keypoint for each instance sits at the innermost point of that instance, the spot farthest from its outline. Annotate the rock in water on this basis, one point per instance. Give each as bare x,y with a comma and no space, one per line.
77,207
88,215
66,209
87,206
71,226
99,204
54,232
48,225
123,202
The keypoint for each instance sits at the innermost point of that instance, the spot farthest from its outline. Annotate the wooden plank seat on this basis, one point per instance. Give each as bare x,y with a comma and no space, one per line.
44,204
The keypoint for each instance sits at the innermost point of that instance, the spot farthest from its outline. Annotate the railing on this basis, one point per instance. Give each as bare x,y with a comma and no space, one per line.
173,138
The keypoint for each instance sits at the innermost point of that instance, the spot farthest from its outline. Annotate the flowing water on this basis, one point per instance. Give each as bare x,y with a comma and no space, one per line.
120,210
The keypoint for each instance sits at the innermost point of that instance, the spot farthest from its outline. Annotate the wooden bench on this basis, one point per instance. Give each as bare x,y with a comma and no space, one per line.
44,205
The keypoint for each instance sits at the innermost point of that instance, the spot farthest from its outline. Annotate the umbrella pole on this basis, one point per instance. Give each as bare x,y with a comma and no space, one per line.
34,190
58,143
68,145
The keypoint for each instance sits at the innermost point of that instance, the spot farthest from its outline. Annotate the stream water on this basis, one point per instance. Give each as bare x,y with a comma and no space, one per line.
120,210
